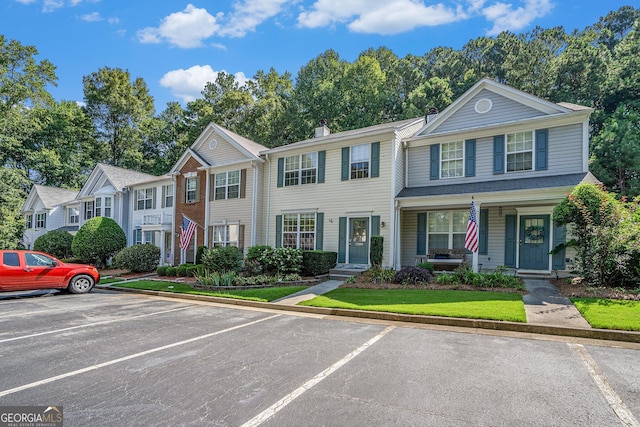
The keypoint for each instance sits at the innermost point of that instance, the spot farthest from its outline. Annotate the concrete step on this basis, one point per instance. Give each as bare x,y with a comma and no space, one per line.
340,277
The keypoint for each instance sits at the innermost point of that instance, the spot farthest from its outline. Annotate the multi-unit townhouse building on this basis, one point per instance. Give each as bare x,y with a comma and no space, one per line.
412,182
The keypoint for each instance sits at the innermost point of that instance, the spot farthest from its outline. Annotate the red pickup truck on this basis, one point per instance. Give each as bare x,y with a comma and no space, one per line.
28,270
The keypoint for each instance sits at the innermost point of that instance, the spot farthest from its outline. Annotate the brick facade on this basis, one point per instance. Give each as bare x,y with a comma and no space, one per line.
194,210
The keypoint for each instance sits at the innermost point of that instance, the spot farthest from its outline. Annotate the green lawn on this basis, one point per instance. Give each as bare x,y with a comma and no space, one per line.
609,314
467,304
263,294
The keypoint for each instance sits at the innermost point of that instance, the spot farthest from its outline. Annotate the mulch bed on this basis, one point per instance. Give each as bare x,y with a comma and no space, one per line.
575,289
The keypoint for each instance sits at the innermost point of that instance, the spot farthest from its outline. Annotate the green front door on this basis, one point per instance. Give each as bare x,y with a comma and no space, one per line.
358,240
534,242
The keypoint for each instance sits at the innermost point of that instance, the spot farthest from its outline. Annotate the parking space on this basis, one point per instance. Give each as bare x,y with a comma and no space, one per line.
121,359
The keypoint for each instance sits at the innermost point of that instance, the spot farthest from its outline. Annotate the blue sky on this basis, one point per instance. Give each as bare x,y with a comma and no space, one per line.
177,46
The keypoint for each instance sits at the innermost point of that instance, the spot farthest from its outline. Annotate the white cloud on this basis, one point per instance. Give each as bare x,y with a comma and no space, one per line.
248,14
26,1
51,5
188,84
91,17
113,21
505,18
185,29
378,16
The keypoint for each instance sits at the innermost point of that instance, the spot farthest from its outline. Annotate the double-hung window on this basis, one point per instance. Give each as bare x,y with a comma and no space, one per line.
192,189
145,199
302,169
226,235
452,159
447,229
227,185
98,206
74,215
299,231
88,210
137,236
520,151
167,190
28,221
359,161
41,220
107,207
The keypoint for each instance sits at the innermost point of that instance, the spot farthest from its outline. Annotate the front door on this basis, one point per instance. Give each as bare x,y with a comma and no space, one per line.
534,242
359,241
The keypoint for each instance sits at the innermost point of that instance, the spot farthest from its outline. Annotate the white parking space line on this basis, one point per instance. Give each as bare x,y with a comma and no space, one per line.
132,356
87,325
280,404
607,391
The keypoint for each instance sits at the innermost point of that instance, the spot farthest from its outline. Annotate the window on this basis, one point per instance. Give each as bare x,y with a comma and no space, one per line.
88,210
28,221
145,199
447,229
107,207
359,162
520,151
149,237
37,260
192,189
98,206
227,185
226,235
301,169
11,259
41,220
167,190
299,231
452,159
74,215
137,236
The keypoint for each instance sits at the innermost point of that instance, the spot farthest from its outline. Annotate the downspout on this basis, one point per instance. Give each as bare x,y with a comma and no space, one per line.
207,203
392,228
254,207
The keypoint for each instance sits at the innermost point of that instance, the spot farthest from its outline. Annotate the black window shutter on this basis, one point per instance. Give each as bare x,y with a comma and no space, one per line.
483,232
422,234
375,160
278,231
322,158
498,154
345,163
280,171
470,157
542,148
435,162
319,230
342,239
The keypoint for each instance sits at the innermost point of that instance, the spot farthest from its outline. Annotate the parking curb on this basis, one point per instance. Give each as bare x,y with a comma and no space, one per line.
591,333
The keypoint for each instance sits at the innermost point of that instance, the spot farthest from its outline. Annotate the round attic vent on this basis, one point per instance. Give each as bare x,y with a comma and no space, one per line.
213,144
483,106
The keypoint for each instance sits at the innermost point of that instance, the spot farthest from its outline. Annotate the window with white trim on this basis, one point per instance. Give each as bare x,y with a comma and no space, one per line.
107,207
519,151
145,199
137,236
227,185
168,195
88,210
98,206
41,220
149,237
452,159
28,221
191,189
447,229
73,215
299,231
302,169
226,235
360,161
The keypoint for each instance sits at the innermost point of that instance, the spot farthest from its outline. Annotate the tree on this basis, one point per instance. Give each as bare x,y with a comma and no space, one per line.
434,92
97,240
13,193
119,109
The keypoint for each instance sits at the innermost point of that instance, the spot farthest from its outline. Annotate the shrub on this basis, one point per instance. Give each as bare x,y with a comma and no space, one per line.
138,258
254,280
252,267
427,265
172,271
162,270
222,259
377,250
181,271
465,276
199,253
192,270
216,279
56,243
412,275
382,275
282,260
318,262
97,240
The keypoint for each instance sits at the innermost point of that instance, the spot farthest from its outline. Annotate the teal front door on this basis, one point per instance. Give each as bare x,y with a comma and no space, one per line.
534,242
359,241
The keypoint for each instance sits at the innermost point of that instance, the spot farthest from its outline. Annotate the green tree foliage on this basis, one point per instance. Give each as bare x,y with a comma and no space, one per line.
138,258
13,192
56,243
606,232
222,259
97,240
120,109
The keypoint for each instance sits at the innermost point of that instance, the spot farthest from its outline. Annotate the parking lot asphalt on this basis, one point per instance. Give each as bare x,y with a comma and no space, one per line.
114,359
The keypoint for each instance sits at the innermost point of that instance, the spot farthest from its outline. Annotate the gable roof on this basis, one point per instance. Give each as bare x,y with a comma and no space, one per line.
546,108
349,134
240,141
119,178
49,196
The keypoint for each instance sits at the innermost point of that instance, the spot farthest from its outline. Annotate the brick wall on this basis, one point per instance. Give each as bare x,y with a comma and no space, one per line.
195,211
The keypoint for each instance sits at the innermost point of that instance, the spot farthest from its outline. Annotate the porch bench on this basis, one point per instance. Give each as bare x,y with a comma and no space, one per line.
443,259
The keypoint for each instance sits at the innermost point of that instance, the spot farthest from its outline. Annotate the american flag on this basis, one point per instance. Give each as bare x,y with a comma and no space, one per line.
186,232
471,239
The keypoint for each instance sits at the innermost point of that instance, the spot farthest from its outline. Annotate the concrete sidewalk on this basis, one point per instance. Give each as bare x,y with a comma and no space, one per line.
309,293
544,305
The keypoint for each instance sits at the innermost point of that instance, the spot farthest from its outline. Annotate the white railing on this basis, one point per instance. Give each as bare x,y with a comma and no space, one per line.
157,219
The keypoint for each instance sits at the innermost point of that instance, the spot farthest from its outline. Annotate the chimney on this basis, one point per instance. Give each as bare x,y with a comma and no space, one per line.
322,130
432,112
